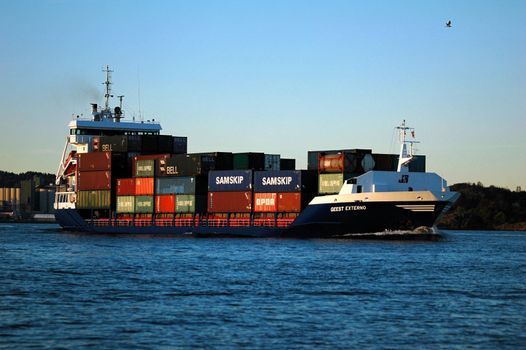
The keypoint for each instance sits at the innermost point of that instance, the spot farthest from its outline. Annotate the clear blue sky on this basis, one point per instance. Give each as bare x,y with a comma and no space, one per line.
275,76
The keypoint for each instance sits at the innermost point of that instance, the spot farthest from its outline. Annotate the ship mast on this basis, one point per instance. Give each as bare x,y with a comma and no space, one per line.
406,147
108,88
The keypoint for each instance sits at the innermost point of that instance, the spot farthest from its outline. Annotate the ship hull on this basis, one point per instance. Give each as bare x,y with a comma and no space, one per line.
381,219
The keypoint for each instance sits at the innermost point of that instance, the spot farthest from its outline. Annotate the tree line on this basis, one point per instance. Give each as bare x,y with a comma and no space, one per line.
8,179
486,208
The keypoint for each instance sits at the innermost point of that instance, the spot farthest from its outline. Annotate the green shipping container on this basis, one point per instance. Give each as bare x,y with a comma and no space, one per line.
144,204
184,203
93,199
145,168
330,183
190,203
125,204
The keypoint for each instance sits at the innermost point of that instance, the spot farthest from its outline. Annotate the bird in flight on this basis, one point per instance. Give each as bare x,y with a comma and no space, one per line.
448,24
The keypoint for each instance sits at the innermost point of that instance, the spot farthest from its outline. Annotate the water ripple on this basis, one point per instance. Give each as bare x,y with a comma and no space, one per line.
69,291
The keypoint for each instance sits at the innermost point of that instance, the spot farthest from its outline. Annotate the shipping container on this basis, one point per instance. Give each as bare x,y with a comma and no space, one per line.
265,202
389,162
290,202
285,181
330,183
96,161
230,202
125,204
230,180
144,168
418,164
385,162
144,186
144,204
249,161
117,143
272,162
93,180
337,160
165,203
181,185
222,160
166,144
126,187
150,144
287,164
187,165
146,157
180,145
93,199
189,203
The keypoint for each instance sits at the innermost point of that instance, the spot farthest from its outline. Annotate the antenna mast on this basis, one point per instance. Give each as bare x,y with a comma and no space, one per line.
406,155
108,88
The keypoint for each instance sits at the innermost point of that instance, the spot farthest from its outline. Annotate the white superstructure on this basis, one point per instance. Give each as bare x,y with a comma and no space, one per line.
80,139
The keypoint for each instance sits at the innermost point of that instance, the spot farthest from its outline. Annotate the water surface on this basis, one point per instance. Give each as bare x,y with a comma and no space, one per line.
76,291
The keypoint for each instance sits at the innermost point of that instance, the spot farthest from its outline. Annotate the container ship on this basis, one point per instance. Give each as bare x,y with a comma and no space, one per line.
119,176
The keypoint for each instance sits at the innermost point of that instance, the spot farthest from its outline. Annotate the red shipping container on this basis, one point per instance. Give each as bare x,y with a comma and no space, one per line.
93,180
94,161
144,186
289,202
147,157
331,163
265,202
125,187
229,202
165,203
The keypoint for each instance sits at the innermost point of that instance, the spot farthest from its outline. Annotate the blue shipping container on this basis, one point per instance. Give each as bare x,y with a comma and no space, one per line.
277,181
180,185
229,180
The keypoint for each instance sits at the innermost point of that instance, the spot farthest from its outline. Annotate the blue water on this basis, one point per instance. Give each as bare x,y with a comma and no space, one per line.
62,290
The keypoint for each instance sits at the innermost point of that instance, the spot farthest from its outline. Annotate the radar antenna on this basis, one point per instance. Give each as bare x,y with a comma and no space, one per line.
120,100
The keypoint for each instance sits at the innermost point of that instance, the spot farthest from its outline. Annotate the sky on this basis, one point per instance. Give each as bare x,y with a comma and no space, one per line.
281,77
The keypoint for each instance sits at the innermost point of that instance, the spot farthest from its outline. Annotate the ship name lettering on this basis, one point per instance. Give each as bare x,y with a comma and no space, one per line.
229,180
355,207
348,208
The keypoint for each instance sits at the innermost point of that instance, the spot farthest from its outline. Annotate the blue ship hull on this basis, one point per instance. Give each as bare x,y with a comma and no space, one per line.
316,221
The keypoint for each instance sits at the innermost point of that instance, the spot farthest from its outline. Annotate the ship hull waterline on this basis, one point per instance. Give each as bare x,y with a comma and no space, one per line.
371,220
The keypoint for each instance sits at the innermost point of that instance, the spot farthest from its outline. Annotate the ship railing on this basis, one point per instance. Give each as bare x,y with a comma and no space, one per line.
284,222
194,221
240,222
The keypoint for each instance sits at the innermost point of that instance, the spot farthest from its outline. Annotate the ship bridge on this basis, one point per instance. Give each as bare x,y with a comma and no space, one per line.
82,131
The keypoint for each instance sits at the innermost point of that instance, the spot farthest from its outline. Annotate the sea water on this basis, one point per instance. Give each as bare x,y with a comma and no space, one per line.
65,290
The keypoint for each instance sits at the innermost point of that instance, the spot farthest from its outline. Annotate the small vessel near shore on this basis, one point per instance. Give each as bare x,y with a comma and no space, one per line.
125,177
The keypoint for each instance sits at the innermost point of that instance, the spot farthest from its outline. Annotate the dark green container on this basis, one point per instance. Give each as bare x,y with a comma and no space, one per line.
144,204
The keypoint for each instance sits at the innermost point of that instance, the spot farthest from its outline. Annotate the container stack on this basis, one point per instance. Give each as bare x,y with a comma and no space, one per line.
285,191
180,194
140,144
135,196
97,173
335,166
230,191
